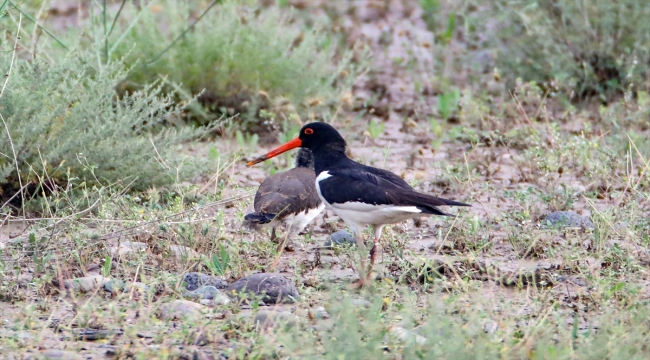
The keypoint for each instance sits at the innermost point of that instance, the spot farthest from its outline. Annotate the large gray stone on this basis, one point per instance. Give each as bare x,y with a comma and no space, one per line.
275,288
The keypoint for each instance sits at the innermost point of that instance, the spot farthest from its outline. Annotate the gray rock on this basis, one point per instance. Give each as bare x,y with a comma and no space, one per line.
221,299
53,354
93,334
204,292
361,303
404,335
86,284
138,286
179,309
340,275
321,313
184,252
21,337
109,350
275,288
425,330
567,219
115,286
195,280
127,248
267,319
341,238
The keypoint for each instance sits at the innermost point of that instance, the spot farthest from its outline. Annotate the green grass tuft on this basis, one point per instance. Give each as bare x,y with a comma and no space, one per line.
64,123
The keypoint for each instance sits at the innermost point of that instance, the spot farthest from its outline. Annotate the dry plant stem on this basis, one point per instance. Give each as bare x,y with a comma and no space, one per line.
13,57
446,236
41,27
643,160
280,249
12,197
120,233
35,35
520,108
159,158
135,278
182,34
217,174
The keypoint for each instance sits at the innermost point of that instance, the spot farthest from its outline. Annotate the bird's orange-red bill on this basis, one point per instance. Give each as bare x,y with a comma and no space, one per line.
277,151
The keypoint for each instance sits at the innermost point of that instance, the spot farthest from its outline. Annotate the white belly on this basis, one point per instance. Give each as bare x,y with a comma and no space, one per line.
363,214
298,221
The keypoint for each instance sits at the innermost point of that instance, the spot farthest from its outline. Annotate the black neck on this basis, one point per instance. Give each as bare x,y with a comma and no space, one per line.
328,158
305,158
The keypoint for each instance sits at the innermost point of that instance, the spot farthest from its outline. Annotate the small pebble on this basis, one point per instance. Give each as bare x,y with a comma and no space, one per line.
404,335
204,292
321,313
179,309
361,303
567,219
194,280
184,252
341,238
86,284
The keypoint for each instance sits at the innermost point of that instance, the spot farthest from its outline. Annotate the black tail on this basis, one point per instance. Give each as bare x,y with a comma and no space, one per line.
259,218
427,203
254,221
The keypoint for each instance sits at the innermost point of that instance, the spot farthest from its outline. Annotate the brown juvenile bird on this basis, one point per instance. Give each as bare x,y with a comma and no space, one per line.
287,198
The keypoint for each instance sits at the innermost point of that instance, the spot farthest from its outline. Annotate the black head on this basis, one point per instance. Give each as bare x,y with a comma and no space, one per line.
305,158
318,135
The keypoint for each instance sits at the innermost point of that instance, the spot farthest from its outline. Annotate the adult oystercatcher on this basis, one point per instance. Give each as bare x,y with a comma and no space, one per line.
288,198
361,195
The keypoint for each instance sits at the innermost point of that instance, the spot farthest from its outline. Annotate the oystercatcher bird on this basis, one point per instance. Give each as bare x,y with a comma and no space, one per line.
360,195
288,198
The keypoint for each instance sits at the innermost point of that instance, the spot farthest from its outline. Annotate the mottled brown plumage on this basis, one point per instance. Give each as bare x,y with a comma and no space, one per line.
288,197
289,192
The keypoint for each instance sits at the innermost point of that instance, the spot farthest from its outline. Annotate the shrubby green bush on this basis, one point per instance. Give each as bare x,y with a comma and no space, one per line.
591,48
242,60
63,121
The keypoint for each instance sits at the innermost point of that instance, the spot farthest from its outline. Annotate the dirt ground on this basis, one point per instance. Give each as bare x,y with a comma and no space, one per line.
497,253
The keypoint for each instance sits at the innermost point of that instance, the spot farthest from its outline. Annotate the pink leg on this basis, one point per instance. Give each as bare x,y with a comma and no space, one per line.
375,248
361,246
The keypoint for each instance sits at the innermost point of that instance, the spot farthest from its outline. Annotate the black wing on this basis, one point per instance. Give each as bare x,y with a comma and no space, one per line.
289,192
359,185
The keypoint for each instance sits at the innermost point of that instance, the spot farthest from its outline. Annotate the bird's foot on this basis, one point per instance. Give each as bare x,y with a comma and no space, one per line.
288,246
359,284
364,281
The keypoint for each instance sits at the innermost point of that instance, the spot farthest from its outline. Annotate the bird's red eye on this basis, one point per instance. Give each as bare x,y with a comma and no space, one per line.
309,131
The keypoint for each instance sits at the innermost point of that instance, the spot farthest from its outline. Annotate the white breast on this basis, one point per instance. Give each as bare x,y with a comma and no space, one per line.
322,176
